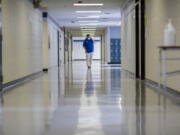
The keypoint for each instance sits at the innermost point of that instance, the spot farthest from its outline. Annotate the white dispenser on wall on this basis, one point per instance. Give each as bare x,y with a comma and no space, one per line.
169,34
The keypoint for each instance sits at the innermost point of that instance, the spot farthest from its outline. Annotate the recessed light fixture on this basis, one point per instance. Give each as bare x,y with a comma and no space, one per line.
88,29
84,17
88,32
88,4
91,33
88,21
89,11
89,24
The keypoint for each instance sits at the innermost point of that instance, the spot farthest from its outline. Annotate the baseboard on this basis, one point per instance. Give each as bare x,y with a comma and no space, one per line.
167,91
114,62
172,93
85,60
18,82
129,74
45,70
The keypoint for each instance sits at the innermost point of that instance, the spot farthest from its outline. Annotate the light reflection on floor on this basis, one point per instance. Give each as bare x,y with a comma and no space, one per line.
78,101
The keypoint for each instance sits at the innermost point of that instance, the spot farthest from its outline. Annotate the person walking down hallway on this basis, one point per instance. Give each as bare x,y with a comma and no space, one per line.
88,45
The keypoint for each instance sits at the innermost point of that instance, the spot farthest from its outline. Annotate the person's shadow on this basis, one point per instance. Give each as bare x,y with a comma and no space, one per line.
89,88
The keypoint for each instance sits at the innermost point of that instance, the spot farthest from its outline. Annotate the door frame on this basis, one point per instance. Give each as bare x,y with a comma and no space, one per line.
58,40
1,66
140,40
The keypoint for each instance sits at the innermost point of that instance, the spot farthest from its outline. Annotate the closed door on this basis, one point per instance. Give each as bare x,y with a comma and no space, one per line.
115,51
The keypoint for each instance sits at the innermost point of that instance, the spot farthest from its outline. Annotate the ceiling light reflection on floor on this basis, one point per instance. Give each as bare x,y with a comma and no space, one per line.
86,17
89,11
88,21
89,24
88,29
88,4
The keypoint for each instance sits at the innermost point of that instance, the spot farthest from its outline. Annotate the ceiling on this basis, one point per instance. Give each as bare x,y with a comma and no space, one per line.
65,13
76,32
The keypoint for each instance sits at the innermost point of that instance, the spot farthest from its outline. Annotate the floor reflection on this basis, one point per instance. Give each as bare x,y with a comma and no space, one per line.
140,99
72,100
89,86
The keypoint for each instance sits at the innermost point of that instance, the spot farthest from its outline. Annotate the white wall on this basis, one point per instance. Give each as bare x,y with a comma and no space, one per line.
61,47
53,40
45,44
103,48
115,32
78,50
128,38
107,46
157,14
50,37
22,39
110,33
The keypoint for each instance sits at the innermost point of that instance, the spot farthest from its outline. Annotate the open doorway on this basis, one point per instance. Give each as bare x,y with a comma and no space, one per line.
78,50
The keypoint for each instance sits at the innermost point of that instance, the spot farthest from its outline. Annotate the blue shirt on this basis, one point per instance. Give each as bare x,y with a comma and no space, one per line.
88,44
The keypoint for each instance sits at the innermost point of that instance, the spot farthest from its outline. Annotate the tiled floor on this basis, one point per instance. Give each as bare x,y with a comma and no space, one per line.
77,101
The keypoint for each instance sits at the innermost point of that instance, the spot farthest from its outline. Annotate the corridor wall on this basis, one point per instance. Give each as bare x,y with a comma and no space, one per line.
128,38
107,46
62,49
113,32
53,43
22,39
157,14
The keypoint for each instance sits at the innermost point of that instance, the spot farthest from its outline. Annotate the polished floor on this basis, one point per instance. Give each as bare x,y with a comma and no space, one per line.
78,101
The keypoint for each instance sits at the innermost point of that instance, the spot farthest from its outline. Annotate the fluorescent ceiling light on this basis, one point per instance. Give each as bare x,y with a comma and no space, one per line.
89,11
84,17
88,32
85,33
92,34
88,29
88,21
89,24
88,4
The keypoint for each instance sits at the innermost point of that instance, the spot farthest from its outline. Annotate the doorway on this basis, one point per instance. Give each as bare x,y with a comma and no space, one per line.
1,76
133,33
140,39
